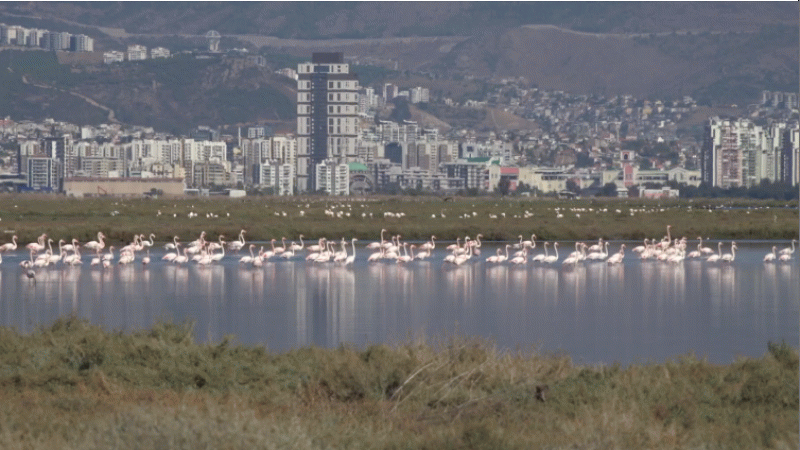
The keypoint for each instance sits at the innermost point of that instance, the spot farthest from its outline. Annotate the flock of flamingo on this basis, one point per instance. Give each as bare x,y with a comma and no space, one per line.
204,252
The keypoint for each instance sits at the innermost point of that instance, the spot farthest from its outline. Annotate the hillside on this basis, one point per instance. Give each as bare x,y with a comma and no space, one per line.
324,20
173,95
729,68
719,53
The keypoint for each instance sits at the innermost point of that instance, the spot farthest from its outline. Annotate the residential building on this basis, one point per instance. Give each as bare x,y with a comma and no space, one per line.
137,52
327,115
42,174
790,156
159,52
113,56
740,153
278,176
333,178
81,43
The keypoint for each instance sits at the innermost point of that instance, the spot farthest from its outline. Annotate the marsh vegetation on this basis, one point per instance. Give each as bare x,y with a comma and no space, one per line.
73,385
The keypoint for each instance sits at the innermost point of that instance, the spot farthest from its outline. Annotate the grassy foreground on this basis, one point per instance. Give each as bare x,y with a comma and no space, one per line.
72,385
264,218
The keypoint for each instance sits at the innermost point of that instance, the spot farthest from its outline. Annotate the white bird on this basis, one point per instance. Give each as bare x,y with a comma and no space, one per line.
10,246
771,256
551,259
787,250
616,258
729,257
716,256
352,257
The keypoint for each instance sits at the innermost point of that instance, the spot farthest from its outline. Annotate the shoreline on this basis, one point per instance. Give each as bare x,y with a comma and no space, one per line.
415,218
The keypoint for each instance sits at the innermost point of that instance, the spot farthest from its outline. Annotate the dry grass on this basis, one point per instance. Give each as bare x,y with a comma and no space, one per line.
59,217
73,385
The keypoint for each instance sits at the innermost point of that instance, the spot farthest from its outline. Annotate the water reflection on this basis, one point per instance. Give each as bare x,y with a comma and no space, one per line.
594,311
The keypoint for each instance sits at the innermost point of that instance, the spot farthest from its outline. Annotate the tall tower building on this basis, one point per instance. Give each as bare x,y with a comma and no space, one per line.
327,115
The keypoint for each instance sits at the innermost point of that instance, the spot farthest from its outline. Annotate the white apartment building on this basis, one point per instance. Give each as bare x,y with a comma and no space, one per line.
113,56
420,95
327,115
137,52
82,43
333,178
42,173
159,52
278,176
740,153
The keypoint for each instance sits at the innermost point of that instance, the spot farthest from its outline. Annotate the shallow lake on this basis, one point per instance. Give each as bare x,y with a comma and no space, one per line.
637,311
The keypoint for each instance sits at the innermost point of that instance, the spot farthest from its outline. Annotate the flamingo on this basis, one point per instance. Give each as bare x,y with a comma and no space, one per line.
787,250
551,259
377,256
771,256
146,259
110,255
38,245
377,245
318,246
697,253
404,258
74,258
785,257
280,250
288,253
716,256
571,259
97,245
340,256
594,256
596,247
504,258
703,250
248,259
540,257
71,247
522,259
126,257
148,243
424,253
181,258
172,245
495,258
27,263
729,257
476,245
616,258
218,256
96,260
350,259
430,245
238,244
297,247
10,246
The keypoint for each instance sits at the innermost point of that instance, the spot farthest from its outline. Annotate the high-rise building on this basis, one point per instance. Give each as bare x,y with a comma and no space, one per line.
790,156
740,153
327,115
81,43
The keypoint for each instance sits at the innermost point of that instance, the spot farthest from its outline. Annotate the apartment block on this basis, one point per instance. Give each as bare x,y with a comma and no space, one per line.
333,178
137,52
327,115
159,52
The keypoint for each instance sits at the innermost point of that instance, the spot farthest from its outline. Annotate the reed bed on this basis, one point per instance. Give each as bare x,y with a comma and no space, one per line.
264,218
74,385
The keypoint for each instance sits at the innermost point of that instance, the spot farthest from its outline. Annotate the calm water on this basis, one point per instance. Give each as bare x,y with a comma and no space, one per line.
637,311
